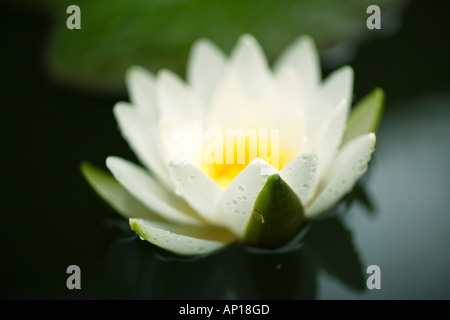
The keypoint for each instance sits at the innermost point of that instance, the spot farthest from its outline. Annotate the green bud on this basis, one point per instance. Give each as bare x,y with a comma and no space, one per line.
277,215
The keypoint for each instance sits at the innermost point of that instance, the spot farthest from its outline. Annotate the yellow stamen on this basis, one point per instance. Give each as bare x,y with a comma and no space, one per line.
224,173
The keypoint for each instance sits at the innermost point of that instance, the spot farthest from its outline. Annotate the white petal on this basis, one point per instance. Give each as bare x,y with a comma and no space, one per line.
339,86
205,68
248,67
182,240
232,108
236,204
175,100
144,139
198,189
141,87
348,167
302,55
146,190
301,175
292,100
335,93
331,136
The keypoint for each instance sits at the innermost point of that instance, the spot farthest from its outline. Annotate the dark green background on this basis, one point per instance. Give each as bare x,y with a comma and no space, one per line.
51,219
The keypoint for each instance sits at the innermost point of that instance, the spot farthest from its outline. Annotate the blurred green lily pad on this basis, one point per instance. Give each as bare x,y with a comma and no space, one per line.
159,33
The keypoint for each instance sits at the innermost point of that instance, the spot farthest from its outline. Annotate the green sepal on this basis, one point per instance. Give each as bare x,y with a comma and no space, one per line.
114,194
277,215
365,116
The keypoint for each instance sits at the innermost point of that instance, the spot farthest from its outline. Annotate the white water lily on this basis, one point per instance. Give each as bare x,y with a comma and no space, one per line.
192,209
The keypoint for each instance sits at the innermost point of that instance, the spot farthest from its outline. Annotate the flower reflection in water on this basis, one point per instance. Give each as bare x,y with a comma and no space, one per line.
139,271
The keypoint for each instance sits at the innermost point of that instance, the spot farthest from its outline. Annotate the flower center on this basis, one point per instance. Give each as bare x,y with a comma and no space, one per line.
223,161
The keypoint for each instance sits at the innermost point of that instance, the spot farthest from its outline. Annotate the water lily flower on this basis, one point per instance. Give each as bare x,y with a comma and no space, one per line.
192,208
